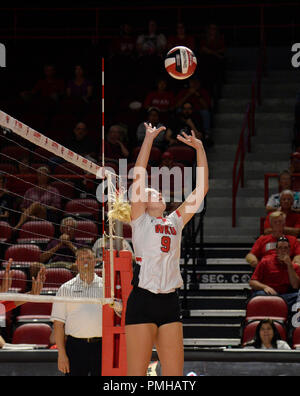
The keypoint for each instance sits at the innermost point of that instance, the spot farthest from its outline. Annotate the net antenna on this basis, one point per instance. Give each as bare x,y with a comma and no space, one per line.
11,125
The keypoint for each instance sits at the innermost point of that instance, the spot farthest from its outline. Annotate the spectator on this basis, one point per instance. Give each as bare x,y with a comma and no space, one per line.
266,244
151,43
124,46
276,275
200,100
154,119
185,121
104,243
267,337
80,86
295,168
78,330
6,200
285,183
81,143
50,86
150,47
212,59
60,253
114,145
42,201
161,98
181,38
292,219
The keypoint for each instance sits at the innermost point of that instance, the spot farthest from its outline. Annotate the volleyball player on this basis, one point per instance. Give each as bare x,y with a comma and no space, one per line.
153,312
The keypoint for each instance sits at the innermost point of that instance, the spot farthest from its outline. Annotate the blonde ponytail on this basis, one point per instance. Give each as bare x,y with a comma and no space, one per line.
121,210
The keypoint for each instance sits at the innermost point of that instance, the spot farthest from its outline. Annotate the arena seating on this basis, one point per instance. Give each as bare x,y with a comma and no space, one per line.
19,280
32,333
5,232
36,232
86,231
34,312
88,208
261,307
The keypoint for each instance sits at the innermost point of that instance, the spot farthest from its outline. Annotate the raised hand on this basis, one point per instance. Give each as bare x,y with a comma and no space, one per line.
38,282
190,140
7,278
153,132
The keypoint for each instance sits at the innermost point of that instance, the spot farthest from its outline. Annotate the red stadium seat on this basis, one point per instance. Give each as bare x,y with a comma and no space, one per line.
272,307
19,185
20,252
19,280
250,328
39,312
98,271
296,338
5,232
36,231
66,189
183,154
86,231
55,277
84,207
32,333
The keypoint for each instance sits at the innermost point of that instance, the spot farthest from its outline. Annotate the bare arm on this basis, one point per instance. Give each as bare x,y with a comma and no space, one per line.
59,335
138,199
256,285
190,206
252,260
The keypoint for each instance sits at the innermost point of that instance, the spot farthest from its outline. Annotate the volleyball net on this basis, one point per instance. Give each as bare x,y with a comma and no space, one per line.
49,217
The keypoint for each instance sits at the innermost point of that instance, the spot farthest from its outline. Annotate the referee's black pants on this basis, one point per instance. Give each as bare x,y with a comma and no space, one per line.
84,357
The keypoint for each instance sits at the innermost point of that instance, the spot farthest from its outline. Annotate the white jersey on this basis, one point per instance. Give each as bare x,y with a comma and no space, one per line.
156,243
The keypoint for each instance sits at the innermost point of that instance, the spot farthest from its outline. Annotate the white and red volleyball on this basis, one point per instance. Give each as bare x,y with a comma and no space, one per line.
180,62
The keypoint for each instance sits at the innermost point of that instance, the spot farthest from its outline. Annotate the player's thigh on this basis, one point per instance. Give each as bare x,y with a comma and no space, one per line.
139,343
169,345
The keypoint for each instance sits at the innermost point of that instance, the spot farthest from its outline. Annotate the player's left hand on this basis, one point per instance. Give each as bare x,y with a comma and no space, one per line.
153,132
190,140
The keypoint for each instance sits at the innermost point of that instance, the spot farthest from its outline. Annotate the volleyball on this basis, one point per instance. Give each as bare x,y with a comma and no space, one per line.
180,62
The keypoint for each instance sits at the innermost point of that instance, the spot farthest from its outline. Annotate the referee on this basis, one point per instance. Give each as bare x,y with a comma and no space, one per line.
77,326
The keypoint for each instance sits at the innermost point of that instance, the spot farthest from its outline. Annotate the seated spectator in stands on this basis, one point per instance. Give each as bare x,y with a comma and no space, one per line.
125,43
50,86
81,143
6,200
161,98
276,275
150,47
200,100
80,86
42,201
152,42
154,119
295,168
292,219
61,252
267,337
285,183
104,243
185,121
212,59
266,244
114,145
181,38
